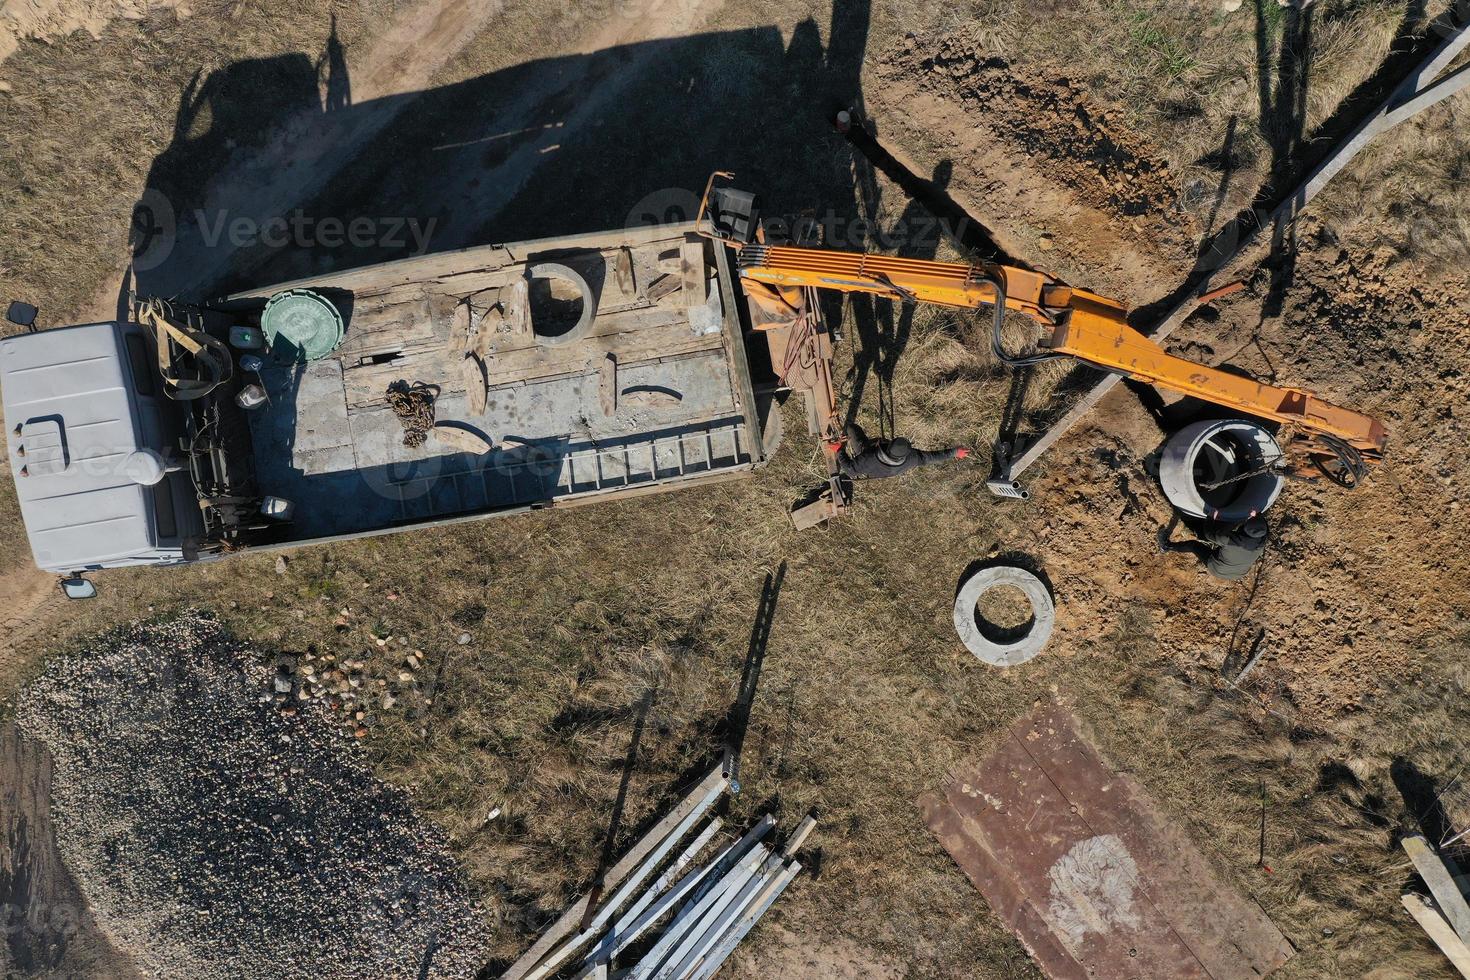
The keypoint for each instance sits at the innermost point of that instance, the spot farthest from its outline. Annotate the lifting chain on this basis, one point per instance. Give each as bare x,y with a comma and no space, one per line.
414,406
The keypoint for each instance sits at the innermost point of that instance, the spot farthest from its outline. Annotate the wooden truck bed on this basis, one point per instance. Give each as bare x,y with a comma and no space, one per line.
655,395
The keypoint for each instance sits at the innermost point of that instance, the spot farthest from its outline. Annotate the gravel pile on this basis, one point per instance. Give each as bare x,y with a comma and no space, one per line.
220,837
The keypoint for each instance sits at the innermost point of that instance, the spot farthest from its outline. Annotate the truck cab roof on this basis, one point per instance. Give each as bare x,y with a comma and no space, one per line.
72,418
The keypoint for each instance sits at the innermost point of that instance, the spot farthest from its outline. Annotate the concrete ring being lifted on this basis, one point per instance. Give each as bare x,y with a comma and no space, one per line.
583,326
1222,469
967,620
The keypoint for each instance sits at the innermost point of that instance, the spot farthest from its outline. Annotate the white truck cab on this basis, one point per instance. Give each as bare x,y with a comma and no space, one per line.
82,406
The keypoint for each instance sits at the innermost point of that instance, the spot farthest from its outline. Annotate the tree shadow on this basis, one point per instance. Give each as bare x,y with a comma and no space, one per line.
615,820
1295,152
1283,115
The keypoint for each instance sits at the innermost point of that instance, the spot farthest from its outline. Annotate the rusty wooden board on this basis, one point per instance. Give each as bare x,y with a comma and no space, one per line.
1080,864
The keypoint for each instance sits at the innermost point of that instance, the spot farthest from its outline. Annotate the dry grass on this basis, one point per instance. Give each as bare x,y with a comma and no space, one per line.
1407,192
89,116
579,618
15,550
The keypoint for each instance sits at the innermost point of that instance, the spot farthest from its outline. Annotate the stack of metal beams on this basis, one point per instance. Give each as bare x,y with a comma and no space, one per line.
685,922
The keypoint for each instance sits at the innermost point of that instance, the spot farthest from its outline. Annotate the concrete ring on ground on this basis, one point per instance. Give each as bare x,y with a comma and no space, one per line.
967,618
583,326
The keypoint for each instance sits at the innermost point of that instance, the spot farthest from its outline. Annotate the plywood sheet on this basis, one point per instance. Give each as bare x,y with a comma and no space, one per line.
1081,865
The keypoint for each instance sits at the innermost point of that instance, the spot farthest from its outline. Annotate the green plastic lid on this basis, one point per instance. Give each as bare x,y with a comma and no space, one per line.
300,325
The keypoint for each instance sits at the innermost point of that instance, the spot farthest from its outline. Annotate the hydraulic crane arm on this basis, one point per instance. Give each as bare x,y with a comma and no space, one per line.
1081,324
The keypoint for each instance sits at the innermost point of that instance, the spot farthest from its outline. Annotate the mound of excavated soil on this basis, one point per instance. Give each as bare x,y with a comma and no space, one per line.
216,837
1355,585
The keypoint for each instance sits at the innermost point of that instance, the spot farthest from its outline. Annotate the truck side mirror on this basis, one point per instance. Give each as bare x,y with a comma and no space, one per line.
77,587
22,314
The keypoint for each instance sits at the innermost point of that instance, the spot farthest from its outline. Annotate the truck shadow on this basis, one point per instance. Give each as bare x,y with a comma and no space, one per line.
275,173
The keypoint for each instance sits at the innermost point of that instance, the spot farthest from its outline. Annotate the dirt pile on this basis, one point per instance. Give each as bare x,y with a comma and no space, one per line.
217,837
1041,159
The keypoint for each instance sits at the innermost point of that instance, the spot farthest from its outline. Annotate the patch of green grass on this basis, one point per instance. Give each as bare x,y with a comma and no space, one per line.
1156,44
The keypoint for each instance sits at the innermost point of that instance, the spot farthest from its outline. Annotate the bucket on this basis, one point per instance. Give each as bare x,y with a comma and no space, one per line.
1204,465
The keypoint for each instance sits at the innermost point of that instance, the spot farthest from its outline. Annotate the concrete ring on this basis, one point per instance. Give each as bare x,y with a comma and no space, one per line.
555,270
967,618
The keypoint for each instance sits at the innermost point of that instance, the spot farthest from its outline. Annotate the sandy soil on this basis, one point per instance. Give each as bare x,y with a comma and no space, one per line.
47,20
1354,581
29,598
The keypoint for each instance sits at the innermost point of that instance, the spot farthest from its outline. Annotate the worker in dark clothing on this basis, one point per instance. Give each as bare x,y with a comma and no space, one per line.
1227,554
866,459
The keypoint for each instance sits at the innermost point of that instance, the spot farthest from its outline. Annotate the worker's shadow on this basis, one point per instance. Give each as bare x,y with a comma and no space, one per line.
737,721
1423,801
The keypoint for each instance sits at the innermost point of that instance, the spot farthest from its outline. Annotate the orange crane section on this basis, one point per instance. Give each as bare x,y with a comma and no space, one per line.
1082,324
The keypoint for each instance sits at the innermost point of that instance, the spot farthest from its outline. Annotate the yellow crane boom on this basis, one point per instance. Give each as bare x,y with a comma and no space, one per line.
1081,324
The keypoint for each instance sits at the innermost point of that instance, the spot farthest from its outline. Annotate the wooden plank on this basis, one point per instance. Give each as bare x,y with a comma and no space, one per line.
629,348
476,384
607,384
663,286
1427,914
1417,81
1233,939
1440,879
455,436
623,274
572,917
693,272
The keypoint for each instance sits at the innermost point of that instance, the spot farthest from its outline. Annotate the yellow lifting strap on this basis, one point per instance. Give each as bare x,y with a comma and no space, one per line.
209,354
